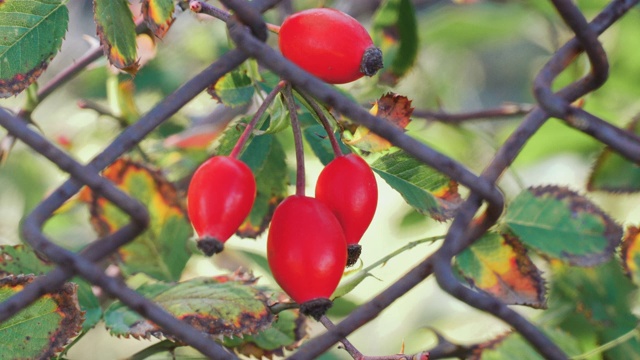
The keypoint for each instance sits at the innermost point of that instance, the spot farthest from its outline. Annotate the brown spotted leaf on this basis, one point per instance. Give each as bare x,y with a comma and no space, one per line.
41,330
161,251
220,307
395,109
286,333
158,15
562,224
117,33
631,253
31,33
499,265
614,173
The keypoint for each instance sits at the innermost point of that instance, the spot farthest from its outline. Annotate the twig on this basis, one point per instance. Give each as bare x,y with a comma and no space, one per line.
505,111
202,7
633,333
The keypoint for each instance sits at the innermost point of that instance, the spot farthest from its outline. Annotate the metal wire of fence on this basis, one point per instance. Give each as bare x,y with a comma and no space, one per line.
248,32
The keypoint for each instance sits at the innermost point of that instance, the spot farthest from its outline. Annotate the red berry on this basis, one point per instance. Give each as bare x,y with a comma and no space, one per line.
348,187
219,199
306,250
330,45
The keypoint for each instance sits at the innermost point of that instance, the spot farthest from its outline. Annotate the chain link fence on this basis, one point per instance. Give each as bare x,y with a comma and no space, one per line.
248,31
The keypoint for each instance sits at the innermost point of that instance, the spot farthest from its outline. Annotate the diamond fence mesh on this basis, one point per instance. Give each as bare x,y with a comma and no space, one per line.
248,31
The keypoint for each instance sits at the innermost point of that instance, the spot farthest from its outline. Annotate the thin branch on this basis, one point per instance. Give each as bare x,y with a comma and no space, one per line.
507,110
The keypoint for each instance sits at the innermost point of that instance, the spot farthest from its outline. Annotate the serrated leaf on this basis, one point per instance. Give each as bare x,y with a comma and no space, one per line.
43,328
117,33
428,191
630,253
213,306
395,30
22,260
271,182
158,15
564,225
512,346
391,107
32,33
594,302
286,333
614,173
499,265
161,251
235,88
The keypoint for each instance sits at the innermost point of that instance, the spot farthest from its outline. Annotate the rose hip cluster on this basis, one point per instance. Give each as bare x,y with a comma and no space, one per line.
316,237
311,239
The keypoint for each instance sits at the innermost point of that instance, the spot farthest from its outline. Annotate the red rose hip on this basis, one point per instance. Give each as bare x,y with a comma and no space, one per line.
306,251
330,45
219,199
348,187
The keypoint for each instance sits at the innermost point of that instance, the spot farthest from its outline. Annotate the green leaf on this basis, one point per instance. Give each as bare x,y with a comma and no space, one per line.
161,251
513,346
158,14
499,265
233,89
22,260
428,191
562,224
117,33
43,328
286,333
318,140
614,173
217,307
278,116
271,176
395,29
32,33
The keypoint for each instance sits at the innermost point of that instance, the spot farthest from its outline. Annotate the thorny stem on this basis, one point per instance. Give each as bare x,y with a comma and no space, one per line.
202,7
324,121
297,139
357,355
256,117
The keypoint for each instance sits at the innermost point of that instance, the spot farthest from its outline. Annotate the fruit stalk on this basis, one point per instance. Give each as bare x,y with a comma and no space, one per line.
297,139
324,121
256,117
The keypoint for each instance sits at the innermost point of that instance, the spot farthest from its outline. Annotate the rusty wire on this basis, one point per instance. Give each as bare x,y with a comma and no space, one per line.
248,31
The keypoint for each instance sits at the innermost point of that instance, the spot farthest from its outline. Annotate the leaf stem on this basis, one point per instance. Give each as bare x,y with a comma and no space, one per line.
162,346
633,333
324,121
297,139
254,121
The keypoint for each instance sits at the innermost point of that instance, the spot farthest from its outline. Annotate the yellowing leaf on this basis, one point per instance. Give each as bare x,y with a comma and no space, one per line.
158,14
117,33
395,109
160,251
631,253
499,265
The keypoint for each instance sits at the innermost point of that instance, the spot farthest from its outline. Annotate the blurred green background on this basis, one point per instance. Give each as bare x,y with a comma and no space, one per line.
471,57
